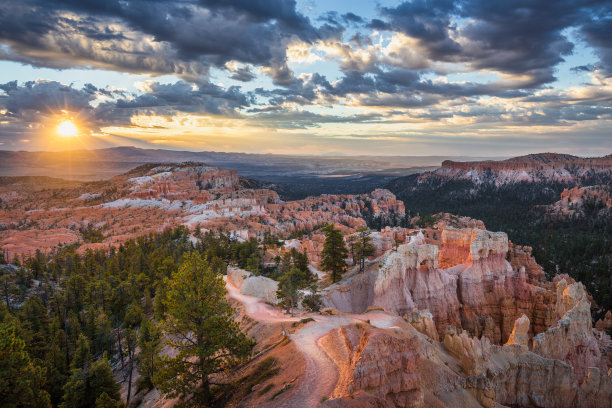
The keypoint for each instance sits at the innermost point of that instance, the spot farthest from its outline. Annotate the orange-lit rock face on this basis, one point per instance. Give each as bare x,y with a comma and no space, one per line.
374,361
474,300
463,279
456,246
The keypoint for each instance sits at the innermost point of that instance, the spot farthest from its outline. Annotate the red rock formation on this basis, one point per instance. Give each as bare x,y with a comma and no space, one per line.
376,362
573,200
571,339
154,197
479,290
545,167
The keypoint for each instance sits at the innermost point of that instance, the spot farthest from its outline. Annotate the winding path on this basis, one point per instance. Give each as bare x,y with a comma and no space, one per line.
255,307
321,374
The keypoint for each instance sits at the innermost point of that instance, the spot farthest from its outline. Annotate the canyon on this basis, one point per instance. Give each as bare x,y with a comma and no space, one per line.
452,318
38,215
445,313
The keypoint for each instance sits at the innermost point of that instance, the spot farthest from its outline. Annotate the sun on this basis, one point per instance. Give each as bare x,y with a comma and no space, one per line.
67,129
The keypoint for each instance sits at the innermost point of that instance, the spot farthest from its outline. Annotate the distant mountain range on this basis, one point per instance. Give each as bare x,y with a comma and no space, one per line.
294,177
105,163
543,167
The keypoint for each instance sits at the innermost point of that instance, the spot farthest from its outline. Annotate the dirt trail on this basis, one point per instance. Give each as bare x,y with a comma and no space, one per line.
321,373
255,307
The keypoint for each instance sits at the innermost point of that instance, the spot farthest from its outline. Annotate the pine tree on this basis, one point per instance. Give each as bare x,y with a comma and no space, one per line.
199,324
363,246
312,301
86,385
21,382
333,256
149,342
35,327
287,291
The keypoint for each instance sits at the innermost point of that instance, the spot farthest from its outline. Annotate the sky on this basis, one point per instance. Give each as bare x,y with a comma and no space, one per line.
421,77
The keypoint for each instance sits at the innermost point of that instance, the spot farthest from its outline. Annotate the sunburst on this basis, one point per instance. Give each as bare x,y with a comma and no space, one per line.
67,128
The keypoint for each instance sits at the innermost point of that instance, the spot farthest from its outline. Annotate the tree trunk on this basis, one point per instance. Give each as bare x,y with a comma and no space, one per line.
131,369
120,347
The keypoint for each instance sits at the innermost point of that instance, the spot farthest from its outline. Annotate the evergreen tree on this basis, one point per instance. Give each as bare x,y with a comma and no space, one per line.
333,256
312,301
35,327
199,324
86,385
149,342
105,401
8,289
287,291
21,382
363,246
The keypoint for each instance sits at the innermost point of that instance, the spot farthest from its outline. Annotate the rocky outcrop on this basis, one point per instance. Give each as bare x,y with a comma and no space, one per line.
520,257
261,287
543,167
256,286
573,201
471,352
463,279
237,276
422,320
377,363
409,278
571,339
523,379
520,332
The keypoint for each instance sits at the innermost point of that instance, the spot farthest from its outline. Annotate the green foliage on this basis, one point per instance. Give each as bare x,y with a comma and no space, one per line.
35,327
106,401
101,302
288,286
312,301
293,274
87,385
426,221
362,247
91,234
149,342
21,381
333,256
199,324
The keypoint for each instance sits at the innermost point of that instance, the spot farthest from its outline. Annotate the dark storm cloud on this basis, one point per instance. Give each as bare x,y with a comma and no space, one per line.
429,21
185,38
352,18
242,74
45,97
302,91
598,33
519,37
181,96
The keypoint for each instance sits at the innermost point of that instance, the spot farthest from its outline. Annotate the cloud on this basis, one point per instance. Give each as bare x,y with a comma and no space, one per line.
526,40
471,65
45,97
184,38
597,33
